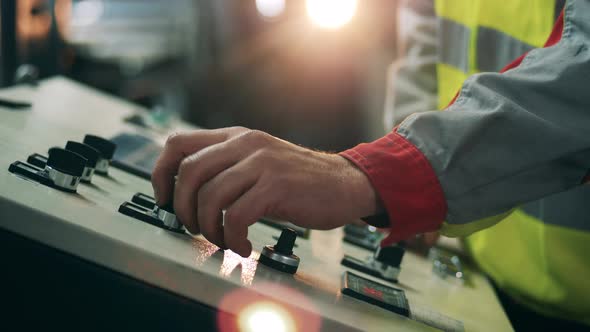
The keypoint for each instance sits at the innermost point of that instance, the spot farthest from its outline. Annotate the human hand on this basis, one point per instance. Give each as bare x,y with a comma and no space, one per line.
251,174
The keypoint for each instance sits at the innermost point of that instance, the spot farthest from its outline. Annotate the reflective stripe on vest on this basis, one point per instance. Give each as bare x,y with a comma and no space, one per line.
537,253
484,35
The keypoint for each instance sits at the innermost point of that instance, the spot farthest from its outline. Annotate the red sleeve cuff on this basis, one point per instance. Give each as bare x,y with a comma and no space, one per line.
406,184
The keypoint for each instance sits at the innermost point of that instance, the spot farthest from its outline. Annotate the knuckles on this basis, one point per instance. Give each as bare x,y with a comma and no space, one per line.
189,164
236,130
255,138
174,139
266,157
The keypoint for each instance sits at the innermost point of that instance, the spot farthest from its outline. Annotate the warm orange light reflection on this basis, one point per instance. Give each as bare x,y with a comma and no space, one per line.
265,317
63,15
331,14
267,307
33,19
231,260
270,8
205,249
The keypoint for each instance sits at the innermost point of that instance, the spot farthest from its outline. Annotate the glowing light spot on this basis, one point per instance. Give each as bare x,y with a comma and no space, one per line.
270,8
231,261
459,275
204,250
331,14
87,12
372,229
267,306
265,317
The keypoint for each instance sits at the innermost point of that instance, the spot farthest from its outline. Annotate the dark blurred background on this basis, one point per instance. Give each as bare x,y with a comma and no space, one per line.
310,71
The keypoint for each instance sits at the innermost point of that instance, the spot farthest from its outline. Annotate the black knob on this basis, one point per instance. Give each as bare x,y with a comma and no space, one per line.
91,154
104,146
280,256
67,162
286,242
50,151
390,255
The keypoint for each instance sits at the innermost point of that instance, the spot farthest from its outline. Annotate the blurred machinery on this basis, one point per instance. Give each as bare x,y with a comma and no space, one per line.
307,71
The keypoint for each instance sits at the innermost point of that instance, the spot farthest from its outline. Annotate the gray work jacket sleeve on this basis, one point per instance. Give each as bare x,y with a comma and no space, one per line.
514,137
411,79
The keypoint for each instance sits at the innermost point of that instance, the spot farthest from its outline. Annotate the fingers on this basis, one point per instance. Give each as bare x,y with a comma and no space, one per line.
178,147
202,166
250,207
193,172
214,171
219,193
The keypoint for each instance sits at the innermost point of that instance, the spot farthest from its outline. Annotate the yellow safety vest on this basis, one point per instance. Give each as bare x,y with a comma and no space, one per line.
541,265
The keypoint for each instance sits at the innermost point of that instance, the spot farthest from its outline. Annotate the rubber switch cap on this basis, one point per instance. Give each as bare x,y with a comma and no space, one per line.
104,146
67,162
91,154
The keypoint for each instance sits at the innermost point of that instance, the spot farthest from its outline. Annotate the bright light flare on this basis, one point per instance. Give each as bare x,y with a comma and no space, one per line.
262,307
265,317
87,12
270,8
331,14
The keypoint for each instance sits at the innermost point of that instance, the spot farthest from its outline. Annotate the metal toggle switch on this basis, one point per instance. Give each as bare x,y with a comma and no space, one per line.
384,264
63,170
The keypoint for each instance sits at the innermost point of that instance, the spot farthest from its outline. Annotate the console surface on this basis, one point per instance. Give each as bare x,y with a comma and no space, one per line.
87,225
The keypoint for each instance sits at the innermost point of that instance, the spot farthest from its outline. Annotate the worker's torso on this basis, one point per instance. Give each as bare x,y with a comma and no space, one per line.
538,253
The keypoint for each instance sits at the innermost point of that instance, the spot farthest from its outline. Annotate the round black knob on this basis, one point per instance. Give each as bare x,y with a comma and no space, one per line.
280,256
390,255
286,242
67,162
104,146
91,154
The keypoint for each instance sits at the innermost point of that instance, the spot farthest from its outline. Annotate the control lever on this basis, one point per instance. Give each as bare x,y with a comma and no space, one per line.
106,149
385,263
144,208
89,153
167,215
63,170
366,237
280,256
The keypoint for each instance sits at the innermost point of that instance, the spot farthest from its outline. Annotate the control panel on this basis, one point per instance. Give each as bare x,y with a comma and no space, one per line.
59,187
